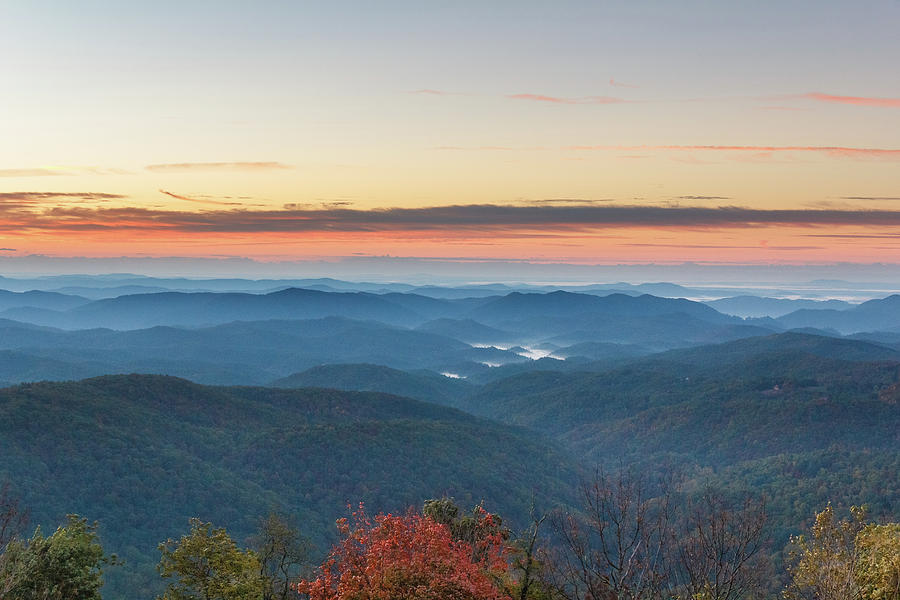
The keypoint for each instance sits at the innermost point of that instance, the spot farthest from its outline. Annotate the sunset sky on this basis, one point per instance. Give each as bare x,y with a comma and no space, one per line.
553,131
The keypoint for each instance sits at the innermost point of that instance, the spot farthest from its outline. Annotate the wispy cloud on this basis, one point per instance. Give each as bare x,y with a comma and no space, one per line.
484,218
545,98
615,83
856,100
853,236
872,198
570,200
38,172
495,148
703,198
722,246
60,171
560,100
44,196
29,204
216,166
8,250
430,92
739,152
836,151
788,108
201,200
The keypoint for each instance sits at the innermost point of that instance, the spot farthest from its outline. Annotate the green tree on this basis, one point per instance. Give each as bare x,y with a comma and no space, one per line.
206,564
528,569
471,528
281,551
68,565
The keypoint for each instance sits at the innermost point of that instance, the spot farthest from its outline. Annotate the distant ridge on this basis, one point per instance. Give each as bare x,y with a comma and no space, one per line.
137,311
756,306
425,386
872,315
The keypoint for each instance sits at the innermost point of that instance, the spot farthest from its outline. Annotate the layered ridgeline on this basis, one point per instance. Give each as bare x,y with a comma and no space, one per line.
143,454
253,339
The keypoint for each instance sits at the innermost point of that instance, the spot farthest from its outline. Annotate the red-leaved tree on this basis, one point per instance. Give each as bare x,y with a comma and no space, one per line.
409,557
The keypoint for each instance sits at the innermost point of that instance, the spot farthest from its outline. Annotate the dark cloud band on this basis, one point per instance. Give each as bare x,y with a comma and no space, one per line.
487,217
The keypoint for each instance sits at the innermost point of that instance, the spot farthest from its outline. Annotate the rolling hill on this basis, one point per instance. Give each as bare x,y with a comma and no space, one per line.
424,385
142,454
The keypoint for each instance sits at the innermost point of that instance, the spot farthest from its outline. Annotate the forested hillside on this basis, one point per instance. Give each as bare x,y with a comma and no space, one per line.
780,415
143,454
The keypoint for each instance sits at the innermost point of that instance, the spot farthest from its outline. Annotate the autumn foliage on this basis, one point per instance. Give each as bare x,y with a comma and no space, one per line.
408,557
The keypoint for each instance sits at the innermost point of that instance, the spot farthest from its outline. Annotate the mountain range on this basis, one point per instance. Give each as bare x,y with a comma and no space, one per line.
226,405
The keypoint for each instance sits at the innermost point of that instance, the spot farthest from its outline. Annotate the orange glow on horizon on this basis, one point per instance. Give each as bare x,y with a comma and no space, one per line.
790,245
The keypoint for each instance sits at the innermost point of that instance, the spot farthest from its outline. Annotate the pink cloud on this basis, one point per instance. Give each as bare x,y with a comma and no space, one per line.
559,100
615,83
856,100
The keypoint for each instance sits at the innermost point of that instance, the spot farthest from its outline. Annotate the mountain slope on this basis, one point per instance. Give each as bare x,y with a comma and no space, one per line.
713,405
142,454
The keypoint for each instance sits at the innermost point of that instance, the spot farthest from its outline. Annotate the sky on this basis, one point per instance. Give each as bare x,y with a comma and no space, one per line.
550,132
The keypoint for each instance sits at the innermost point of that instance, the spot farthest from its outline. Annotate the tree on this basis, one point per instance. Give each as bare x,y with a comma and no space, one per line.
524,579
207,565
471,528
716,552
846,559
281,551
824,565
878,561
409,557
638,539
614,546
68,565
529,564
13,520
